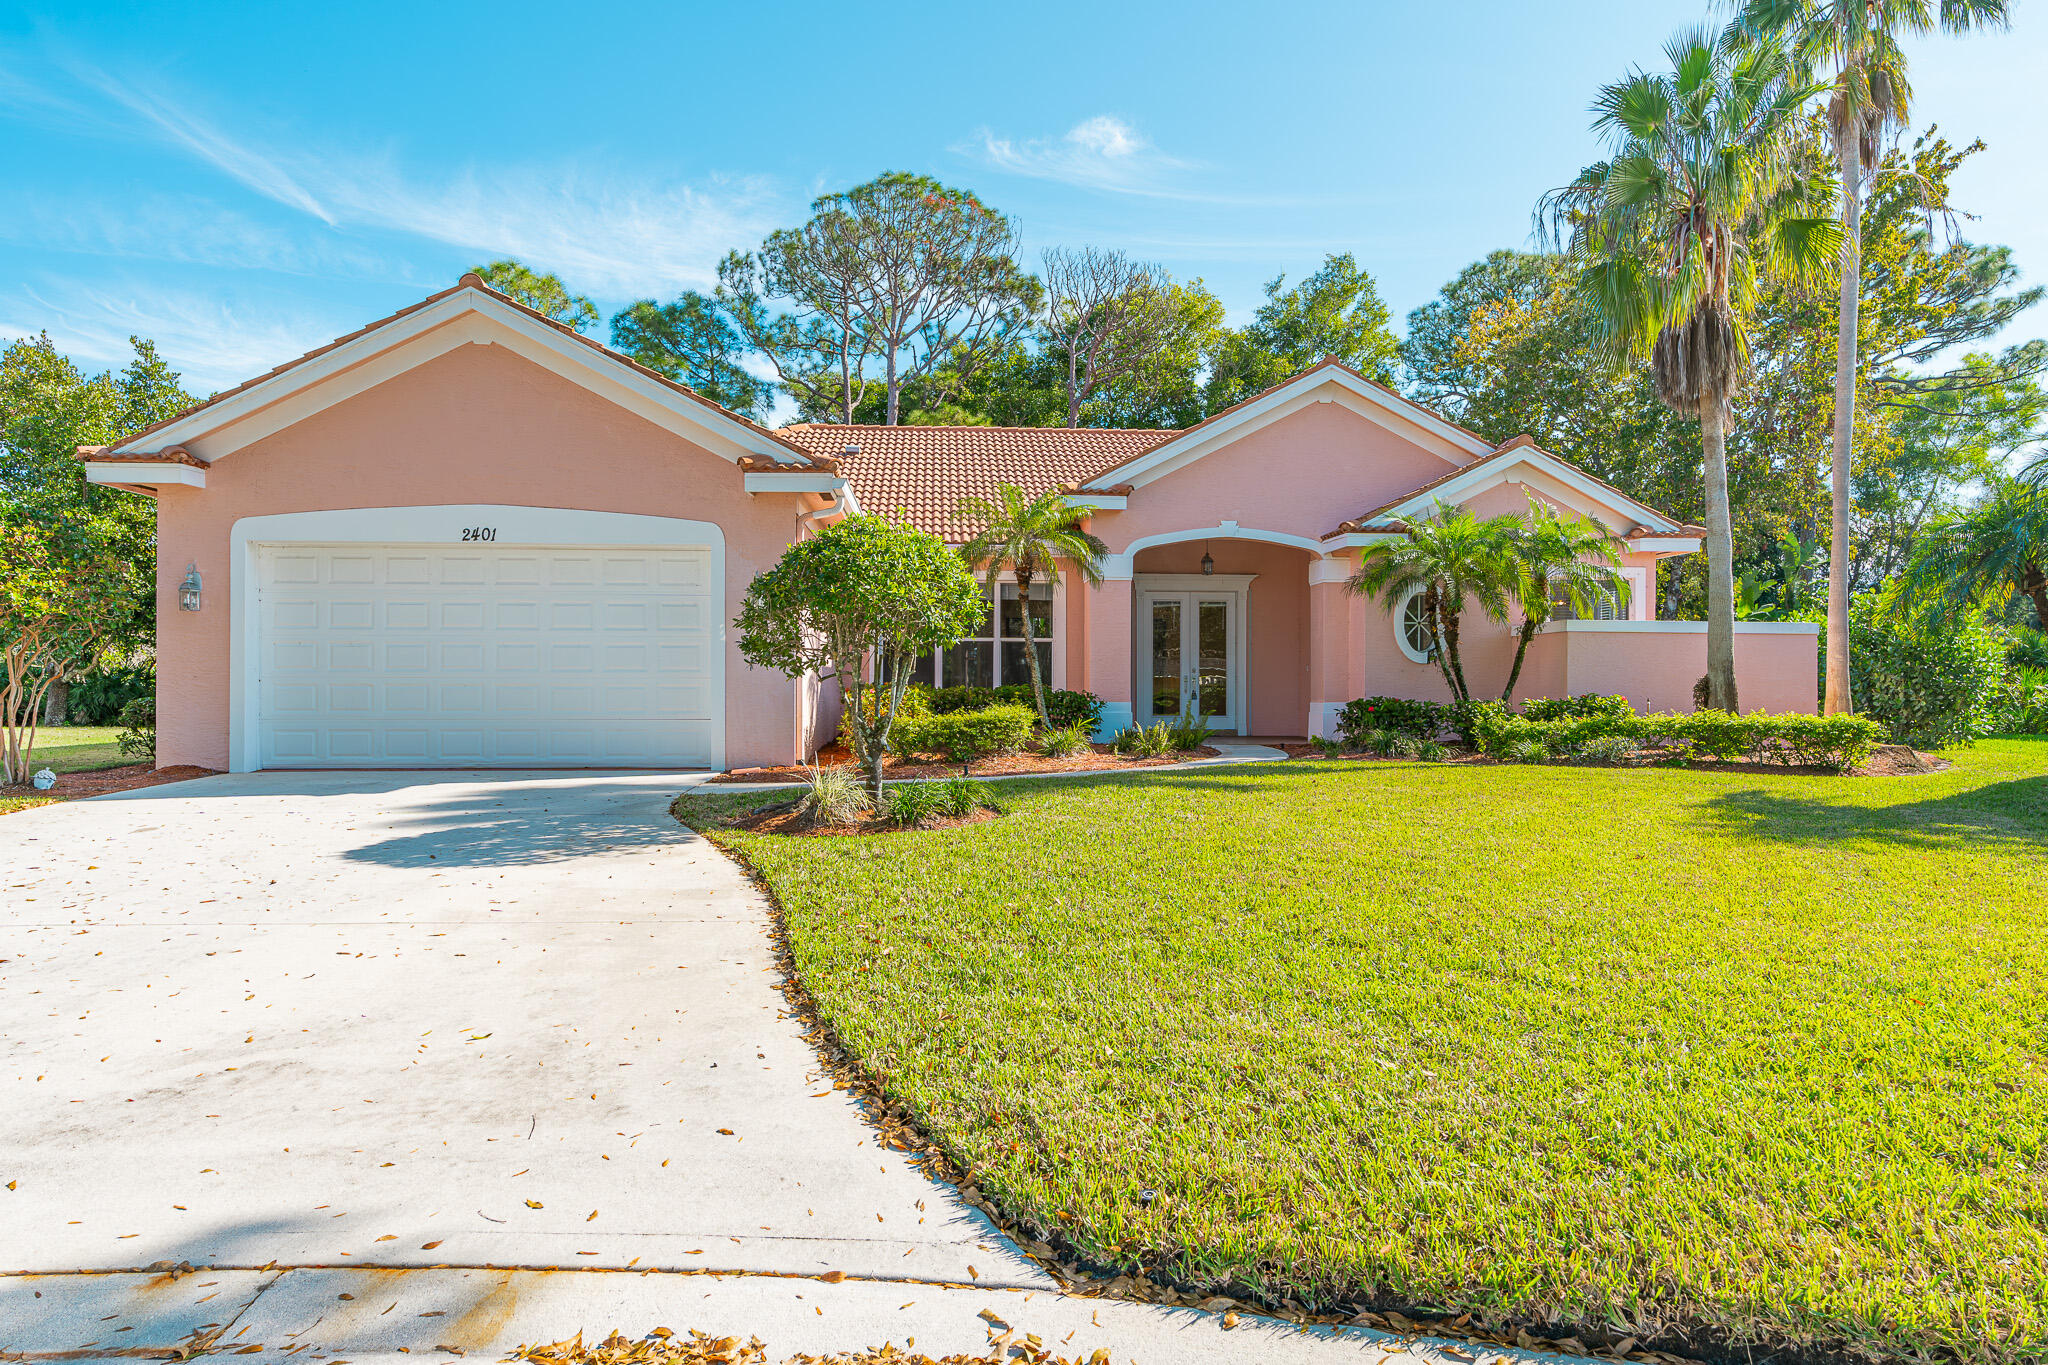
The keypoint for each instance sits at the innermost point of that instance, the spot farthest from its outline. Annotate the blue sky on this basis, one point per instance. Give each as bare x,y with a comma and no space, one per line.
243,182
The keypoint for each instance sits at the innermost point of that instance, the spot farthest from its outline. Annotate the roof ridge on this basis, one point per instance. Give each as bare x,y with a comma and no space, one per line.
961,426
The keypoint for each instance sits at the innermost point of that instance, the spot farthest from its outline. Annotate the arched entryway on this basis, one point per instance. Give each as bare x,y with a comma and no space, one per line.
1222,624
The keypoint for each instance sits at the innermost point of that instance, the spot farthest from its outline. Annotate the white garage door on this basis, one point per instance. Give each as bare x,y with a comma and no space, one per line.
487,656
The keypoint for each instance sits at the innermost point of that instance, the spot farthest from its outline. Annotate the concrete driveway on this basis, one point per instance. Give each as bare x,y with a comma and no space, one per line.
411,1063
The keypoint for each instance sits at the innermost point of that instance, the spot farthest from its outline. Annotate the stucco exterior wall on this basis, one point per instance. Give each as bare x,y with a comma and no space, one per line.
1656,665
478,424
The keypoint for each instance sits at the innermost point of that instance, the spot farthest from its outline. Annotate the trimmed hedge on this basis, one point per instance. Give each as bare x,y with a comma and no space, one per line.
1402,715
963,736
1581,707
1792,739
1063,708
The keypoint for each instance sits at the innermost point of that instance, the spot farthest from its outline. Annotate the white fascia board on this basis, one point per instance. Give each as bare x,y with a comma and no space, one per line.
1670,545
1358,540
773,481
139,471
1101,502
1473,480
469,316
1370,402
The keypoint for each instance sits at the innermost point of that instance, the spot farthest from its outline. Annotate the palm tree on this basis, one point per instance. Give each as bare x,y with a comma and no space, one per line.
1028,536
1700,196
1857,41
1450,557
1983,556
1559,559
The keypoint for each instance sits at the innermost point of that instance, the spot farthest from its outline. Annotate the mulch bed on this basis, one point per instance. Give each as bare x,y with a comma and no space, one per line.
781,819
1100,758
100,781
1886,760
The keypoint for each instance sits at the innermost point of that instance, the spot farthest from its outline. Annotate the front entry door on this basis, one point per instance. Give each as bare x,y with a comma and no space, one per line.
1188,657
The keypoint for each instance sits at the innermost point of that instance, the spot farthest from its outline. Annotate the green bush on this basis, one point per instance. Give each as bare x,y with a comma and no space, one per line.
1190,731
1933,683
1429,751
1144,741
964,736
1063,708
1585,706
1473,720
915,805
1793,738
1388,743
832,796
1064,741
916,706
138,738
99,695
1357,719
2021,707
963,796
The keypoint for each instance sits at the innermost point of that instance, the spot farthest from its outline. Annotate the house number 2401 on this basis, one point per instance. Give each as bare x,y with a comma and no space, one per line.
479,533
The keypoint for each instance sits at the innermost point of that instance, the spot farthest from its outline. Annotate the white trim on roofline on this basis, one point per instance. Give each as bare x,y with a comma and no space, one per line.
776,481
1369,401
1358,540
1456,489
145,472
465,316
1121,564
1101,502
1663,544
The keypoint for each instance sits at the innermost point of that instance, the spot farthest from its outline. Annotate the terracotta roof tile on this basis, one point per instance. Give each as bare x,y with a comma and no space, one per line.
924,472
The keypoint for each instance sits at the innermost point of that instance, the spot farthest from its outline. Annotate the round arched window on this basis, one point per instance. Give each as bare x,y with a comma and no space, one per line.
1411,629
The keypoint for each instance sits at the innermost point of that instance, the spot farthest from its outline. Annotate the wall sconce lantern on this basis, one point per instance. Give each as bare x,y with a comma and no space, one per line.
188,591
1208,564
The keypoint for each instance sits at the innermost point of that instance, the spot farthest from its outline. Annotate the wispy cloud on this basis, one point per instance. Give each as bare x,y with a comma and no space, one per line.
612,232
187,229
1100,153
214,339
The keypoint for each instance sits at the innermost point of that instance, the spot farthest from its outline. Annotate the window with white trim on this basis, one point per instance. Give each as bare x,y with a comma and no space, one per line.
994,655
1411,629
1605,605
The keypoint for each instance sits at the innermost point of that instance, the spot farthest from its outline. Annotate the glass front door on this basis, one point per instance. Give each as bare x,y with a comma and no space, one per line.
1191,638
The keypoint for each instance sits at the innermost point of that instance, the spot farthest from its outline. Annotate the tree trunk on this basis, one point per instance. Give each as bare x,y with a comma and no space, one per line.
2036,587
57,703
1459,691
1030,644
1524,635
1836,698
1720,557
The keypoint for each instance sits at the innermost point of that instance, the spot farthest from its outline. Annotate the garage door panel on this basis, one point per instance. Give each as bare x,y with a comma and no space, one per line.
398,656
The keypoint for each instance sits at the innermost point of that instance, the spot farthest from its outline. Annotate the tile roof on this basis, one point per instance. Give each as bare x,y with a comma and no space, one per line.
924,472
168,455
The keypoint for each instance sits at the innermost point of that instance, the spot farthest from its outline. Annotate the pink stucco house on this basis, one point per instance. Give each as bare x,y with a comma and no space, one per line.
466,536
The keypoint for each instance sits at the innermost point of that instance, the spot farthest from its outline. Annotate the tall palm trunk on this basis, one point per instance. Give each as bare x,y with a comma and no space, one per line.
1030,645
1720,555
1530,625
1849,153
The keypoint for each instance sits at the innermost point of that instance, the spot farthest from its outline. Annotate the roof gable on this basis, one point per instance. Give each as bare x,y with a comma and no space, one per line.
1521,454
471,313
1330,381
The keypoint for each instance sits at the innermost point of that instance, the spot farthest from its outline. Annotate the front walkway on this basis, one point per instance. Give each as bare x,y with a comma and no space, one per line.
317,1035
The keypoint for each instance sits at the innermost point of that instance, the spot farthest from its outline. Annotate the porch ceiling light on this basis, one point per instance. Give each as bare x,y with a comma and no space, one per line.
1208,564
188,591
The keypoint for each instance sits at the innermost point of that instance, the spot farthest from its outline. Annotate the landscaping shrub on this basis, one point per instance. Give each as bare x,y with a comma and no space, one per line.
1933,683
963,796
2021,706
100,696
1356,719
1189,732
1605,749
1818,741
964,736
832,796
1429,751
1582,707
915,805
1064,741
1144,741
1526,749
1329,748
1386,743
1063,708
138,739
917,704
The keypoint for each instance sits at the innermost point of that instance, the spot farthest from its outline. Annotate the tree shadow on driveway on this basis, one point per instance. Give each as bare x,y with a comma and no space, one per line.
526,824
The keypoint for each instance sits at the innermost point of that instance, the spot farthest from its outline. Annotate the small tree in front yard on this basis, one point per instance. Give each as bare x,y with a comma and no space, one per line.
1451,557
65,593
1027,537
1559,559
860,602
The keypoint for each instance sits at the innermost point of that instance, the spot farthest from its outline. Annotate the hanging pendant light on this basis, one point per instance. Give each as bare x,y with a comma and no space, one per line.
1208,564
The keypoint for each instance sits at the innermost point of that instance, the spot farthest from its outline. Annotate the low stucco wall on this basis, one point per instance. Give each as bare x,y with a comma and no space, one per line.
1655,663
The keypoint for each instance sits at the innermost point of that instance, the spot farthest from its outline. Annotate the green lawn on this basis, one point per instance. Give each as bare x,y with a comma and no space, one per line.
67,749
1761,1055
